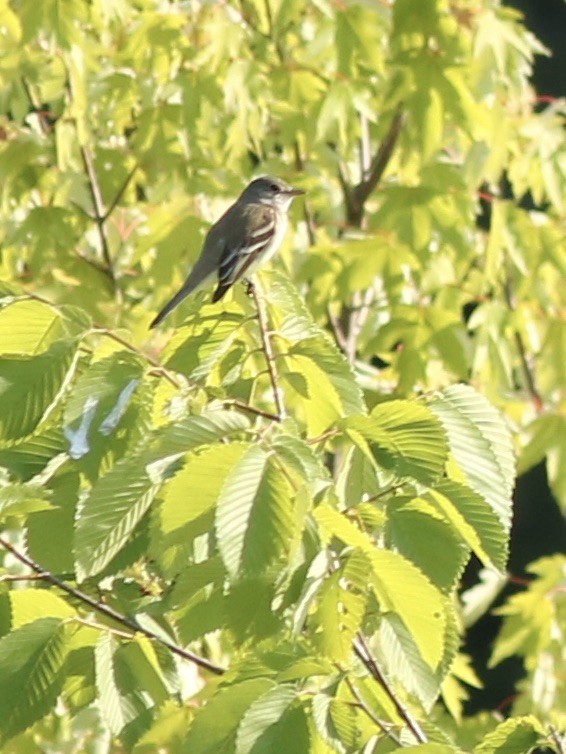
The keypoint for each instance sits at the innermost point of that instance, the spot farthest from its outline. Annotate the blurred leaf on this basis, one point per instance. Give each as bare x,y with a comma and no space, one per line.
30,386
31,663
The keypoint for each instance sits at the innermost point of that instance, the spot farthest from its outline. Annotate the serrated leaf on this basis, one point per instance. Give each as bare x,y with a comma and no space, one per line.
117,709
29,327
21,499
253,521
398,585
188,501
99,400
110,513
118,501
31,662
474,520
28,605
337,618
214,728
418,532
481,445
316,376
417,437
404,437
514,736
263,713
29,456
403,661
205,428
30,386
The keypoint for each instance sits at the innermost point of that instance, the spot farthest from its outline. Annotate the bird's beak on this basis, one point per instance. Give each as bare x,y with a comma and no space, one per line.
294,192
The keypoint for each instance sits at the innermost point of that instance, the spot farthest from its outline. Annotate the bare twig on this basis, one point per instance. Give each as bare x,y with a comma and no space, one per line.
108,611
357,196
380,724
358,315
307,214
559,739
362,651
522,351
98,206
99,330
339,335
268,352
250,409
120,193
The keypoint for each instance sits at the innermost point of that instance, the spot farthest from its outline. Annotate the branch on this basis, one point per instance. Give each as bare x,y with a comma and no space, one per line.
522,351
98,206
362,651
358,315
120,193
109,612
357,196
250,409
268,351
559,739
357,696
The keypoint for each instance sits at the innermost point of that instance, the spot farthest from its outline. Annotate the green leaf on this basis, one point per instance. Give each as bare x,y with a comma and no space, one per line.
474,520
337,617
116,708
404,437
214,728
29,327
29,605
99,400
29,456
21,499
261,715
399,586
184,514
31,663
119,500
107,517
422,535
481,445
253,517
514,736
30,386
317,378
401,656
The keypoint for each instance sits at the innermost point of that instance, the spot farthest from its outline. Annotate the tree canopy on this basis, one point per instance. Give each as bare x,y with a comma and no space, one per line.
245,531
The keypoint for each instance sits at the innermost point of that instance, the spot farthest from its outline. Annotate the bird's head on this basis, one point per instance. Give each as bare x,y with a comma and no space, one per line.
272,191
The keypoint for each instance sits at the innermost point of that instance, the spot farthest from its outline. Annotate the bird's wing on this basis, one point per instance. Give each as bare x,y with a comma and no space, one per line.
245,242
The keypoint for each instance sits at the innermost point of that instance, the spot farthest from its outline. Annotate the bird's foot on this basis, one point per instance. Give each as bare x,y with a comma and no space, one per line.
249,286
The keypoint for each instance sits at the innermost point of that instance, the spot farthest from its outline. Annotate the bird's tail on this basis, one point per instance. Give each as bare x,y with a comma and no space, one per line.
170,305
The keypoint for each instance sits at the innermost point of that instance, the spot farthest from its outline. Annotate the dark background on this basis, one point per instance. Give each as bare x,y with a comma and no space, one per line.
539,528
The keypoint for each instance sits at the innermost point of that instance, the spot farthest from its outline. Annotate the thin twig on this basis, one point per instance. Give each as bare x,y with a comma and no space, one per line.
360,193
522,351
339,335
99,330
362,651
358,315
98,206
120,193
380,724
14,577
307,214
109,612
250,409
559,739
268,352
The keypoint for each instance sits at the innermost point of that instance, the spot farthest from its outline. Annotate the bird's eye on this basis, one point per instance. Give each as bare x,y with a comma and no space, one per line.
274,187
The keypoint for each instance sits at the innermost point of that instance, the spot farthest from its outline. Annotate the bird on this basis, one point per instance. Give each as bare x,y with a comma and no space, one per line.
248,234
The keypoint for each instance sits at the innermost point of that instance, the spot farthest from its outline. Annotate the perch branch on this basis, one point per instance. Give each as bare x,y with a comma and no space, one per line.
107,611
